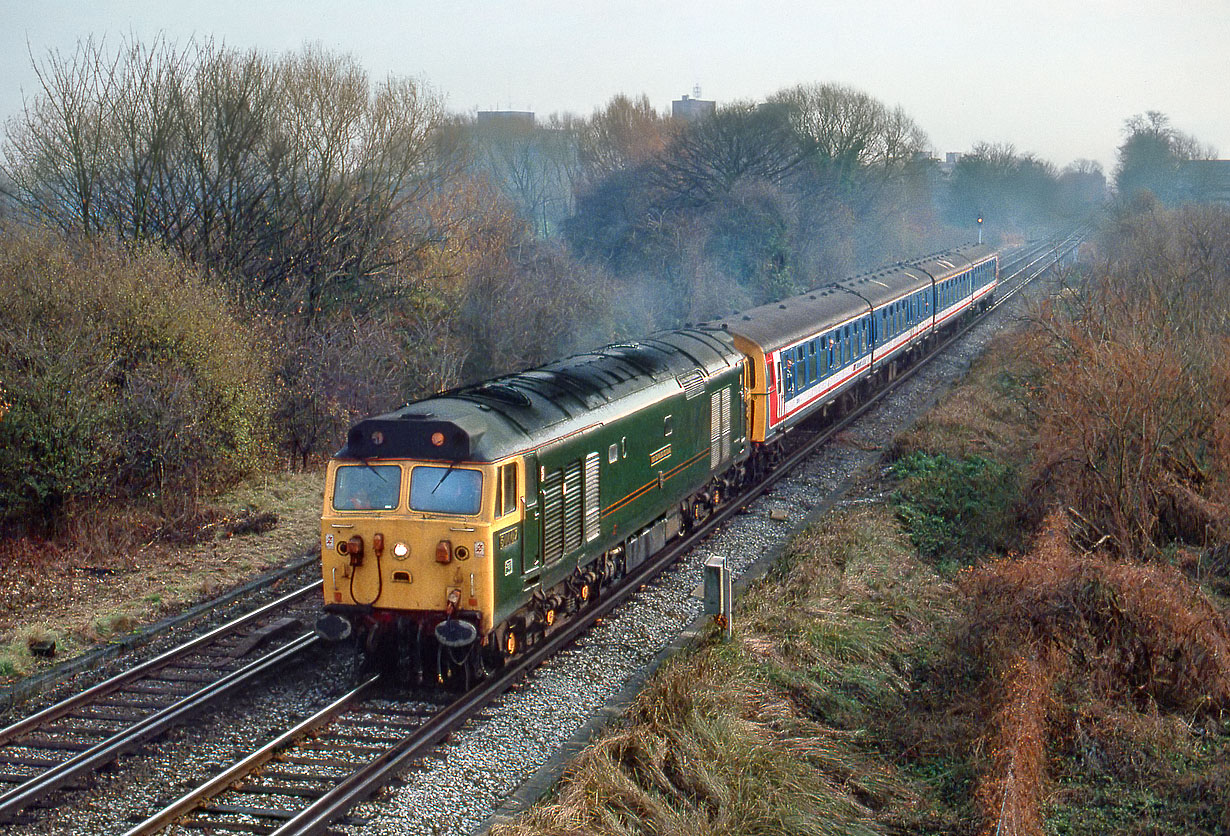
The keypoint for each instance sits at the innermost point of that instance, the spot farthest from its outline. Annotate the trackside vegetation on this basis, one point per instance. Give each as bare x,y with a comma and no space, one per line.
956,510
994,648
125,376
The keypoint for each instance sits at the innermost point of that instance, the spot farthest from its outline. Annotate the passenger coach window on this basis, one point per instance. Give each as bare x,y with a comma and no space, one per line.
446,490
506,490
360,487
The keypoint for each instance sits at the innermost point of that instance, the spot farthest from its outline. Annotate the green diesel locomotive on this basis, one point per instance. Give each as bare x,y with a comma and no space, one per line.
473,519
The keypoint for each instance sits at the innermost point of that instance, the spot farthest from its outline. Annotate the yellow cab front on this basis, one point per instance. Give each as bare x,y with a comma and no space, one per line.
406,545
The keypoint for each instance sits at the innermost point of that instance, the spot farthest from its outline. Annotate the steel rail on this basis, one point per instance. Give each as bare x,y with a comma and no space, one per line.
118,681
220,782
22,796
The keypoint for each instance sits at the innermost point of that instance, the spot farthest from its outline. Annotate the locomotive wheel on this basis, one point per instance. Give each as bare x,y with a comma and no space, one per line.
511,641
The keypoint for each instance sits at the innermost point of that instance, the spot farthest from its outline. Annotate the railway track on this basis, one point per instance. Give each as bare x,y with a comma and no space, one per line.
313,773
64,744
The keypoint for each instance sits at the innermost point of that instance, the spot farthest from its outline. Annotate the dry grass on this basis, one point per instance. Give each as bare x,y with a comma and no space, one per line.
110,573
737,760
987,414
771,734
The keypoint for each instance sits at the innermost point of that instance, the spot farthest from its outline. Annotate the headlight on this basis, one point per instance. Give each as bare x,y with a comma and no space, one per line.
401,551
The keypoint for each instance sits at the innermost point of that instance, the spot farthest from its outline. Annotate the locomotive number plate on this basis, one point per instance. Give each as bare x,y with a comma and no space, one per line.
507,538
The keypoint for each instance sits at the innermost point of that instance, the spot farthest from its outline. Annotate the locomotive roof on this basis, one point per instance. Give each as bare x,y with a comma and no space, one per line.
783,323
495,418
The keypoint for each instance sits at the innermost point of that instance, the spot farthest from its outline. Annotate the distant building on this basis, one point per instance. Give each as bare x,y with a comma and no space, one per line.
1205,181
507,116
950,161
691,109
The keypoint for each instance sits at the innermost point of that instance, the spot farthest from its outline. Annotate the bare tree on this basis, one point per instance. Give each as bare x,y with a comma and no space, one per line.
1152,154
286,175
537,166
846,132
56,151
624,134
738,142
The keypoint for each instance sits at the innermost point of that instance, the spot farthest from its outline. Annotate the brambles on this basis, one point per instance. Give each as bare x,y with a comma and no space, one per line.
1136,398
1071,643
1010,793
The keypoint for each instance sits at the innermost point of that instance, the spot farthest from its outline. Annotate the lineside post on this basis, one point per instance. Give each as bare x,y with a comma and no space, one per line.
718,601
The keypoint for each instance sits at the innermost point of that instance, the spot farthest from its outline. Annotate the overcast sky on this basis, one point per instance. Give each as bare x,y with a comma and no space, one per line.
1054,78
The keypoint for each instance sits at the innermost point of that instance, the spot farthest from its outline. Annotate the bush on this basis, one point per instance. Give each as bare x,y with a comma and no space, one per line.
956,510
1135,401
125,376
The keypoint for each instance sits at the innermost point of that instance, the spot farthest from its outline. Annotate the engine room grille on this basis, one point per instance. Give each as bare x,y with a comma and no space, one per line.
573,504
693,383
719,428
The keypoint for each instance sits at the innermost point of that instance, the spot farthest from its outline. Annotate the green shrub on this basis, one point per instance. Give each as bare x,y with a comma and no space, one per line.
956,510
124,376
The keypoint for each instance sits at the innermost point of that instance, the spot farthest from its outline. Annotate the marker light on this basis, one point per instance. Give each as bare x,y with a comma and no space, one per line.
437,439
444,551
